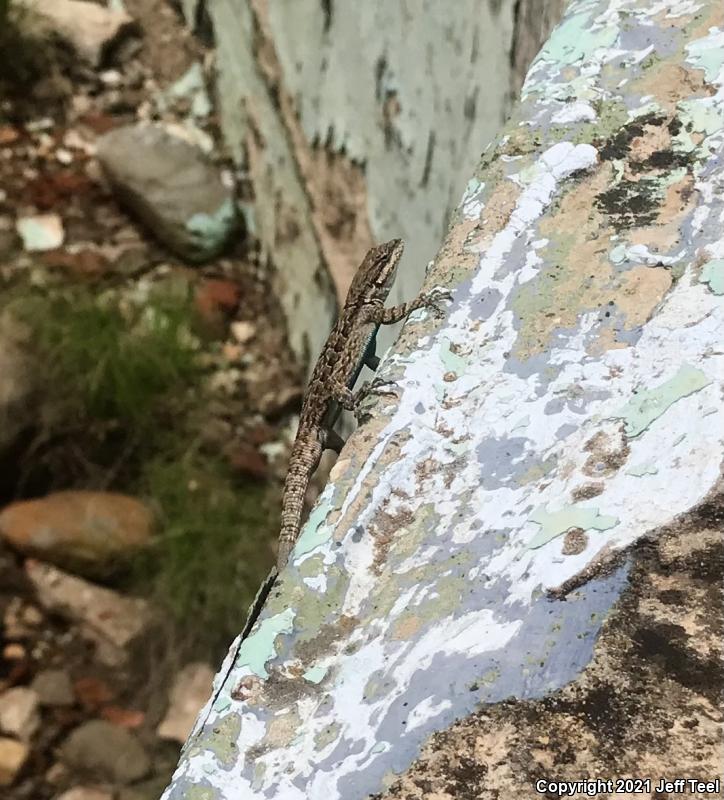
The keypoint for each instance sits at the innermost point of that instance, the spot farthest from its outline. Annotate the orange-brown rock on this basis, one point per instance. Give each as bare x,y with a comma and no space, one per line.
78,528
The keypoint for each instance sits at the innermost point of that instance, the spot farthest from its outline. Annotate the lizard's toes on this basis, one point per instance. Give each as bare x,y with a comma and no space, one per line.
436,298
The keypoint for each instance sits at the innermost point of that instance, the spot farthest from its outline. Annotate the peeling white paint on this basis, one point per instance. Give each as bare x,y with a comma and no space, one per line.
477,467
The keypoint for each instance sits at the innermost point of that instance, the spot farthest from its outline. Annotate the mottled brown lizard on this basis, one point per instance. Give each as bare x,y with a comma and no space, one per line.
335,372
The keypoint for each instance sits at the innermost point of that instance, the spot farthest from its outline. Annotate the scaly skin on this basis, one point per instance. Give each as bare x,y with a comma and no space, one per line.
340,356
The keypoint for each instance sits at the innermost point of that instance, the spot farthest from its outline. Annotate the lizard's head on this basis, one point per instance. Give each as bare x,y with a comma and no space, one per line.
377,271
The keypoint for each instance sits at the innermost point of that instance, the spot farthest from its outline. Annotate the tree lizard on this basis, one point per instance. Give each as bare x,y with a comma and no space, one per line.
335,372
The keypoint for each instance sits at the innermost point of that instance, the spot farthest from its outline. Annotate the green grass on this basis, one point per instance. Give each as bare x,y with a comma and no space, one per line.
118,362
212,551
132,370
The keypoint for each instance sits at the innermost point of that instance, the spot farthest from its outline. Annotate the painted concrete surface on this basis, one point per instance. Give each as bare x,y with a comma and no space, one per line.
476,532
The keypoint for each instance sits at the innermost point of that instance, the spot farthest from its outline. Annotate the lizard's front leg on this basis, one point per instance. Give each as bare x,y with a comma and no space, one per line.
387,316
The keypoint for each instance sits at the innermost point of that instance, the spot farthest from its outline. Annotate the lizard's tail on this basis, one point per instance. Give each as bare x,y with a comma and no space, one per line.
302,463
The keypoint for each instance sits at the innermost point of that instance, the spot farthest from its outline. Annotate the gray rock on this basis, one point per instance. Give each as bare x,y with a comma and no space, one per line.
54,688
106,751
171,187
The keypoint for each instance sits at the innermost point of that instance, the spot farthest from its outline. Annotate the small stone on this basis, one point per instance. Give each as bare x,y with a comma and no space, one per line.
19,712
243,331
8,135
54,688
190,691
13,755
86,793
14,652
111,77
104,750
64,156
41,232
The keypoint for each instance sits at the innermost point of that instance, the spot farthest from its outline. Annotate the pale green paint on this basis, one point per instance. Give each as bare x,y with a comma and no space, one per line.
645,110
259,775
315,674
315,532
707,55
192,85
712,273
471,190
200,793
221,703
312,567
575,39
537,470
649,404
258,647
314,608
640,470
670,178
557,522
445,596
618,254
212,229
380,747
703,114
372,690
457,448
220,739
327,735
451,360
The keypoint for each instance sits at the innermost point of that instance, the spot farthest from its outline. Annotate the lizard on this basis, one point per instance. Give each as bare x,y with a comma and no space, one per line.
337,368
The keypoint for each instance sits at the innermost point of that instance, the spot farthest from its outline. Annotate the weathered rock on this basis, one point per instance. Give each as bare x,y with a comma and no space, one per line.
109,620
88,27
13,755
86,793
190,691
106,751
54,688
82,529
171,187
19,712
